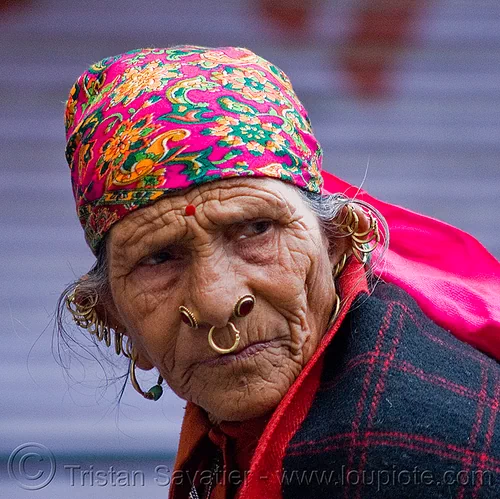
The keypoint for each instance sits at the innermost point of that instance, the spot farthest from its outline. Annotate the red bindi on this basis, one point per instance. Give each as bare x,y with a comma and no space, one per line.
190,210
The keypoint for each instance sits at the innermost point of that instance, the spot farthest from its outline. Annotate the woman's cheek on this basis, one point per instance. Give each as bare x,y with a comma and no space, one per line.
158,337
152,278
258,252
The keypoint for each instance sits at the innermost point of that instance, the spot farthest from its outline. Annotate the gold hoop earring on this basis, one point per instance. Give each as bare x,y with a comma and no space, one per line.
85,316
339,267
120,349
362,243
244,305
188,317
219,349
155,392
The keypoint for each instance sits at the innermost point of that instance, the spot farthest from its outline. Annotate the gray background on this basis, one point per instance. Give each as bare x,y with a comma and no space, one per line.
432,145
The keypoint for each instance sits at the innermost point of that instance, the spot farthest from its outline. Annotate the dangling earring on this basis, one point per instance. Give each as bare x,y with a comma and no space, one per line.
336,271
85,316
155,392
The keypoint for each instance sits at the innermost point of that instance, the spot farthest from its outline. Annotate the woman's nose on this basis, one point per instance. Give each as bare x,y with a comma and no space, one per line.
214,291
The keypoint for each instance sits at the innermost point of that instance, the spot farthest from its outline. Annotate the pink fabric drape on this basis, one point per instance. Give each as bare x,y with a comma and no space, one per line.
453,278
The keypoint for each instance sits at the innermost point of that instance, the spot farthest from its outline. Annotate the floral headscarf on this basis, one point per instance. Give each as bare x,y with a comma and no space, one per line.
152,121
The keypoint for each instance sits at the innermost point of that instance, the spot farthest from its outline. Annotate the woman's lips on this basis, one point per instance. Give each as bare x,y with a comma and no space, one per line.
245,353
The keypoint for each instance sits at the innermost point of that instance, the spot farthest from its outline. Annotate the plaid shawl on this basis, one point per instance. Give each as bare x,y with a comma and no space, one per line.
400,409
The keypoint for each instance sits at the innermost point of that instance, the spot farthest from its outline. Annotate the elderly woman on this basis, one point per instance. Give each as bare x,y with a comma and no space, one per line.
224,263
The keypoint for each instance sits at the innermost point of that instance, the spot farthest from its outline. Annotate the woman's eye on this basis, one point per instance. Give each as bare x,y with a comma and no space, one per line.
158,258
256,228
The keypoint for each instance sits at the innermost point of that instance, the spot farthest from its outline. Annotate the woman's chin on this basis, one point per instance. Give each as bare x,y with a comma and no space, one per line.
234,404
243,386
242,410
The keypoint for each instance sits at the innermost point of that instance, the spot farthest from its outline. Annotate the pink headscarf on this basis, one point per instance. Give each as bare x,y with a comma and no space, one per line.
152,121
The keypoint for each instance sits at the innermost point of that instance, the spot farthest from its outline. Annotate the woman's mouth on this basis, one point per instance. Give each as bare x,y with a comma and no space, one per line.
245,353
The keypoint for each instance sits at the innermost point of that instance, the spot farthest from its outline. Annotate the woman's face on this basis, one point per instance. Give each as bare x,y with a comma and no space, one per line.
247,236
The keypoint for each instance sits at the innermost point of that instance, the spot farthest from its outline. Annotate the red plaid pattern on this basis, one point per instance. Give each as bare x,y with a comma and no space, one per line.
403,410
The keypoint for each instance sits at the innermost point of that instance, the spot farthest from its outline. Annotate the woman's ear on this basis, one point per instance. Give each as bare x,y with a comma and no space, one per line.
104,306
364,221
339,242
111,315
107,312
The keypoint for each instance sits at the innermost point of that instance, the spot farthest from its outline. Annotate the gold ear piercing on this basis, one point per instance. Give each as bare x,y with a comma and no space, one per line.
85,316
340,266
155,392
362,243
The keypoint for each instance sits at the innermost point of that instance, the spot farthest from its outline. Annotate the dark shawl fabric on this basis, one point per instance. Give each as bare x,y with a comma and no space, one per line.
403,410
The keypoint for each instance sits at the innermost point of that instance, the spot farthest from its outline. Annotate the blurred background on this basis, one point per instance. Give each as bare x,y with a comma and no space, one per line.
404,91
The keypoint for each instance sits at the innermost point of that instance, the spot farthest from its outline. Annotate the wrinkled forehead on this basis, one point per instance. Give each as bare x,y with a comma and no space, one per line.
215,204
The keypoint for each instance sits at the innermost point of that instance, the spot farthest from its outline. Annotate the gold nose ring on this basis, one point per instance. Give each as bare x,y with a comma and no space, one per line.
188,317
219,349
244,305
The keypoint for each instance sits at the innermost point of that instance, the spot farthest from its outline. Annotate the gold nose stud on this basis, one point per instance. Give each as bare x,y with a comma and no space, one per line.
188,317
244,305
